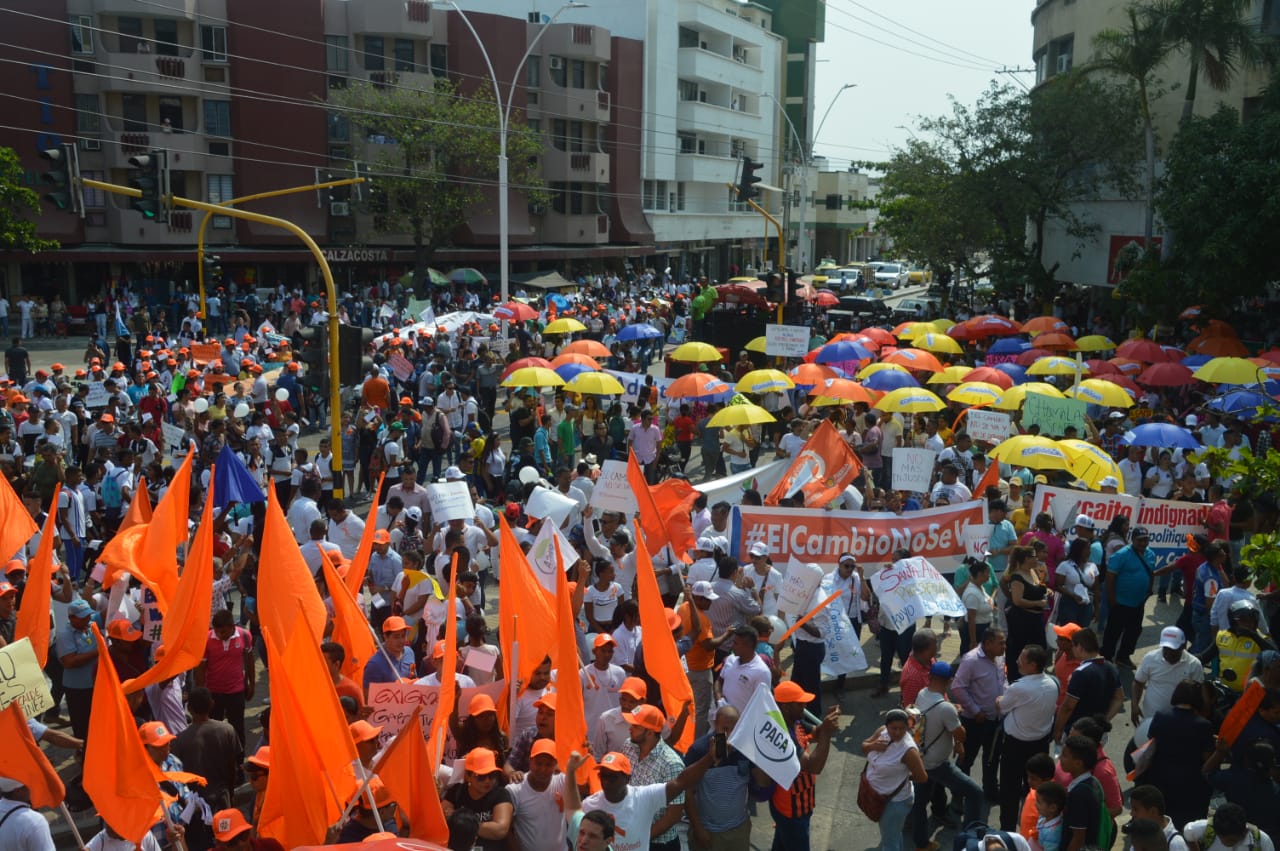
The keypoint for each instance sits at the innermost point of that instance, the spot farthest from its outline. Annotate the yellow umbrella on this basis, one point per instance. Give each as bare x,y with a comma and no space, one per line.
564,325
1099,391
1033,452
1229,371
757,344
935,342
533,376
911,330
696,352
739,415
910,400
1091,464
595,384
1054,365
873,368
764,381
943,325
976,393
827,402
1095,343
1014,397
950,375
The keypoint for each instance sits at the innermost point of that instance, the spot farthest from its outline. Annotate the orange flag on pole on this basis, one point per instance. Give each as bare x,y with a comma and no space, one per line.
16,525
350,626
285,581
360,563
674,499
571,716
522,595
119,776
661,658
37,600
121,552
651,522
990,478
825,466
157,565
185,629
139,512
406,769
448,672
312,755
22,759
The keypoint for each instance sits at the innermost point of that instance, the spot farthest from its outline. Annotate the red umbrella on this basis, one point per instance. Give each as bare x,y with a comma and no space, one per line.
991,375
1099,367
1142,350
514,311
523,362
1054,340
1030,356
1273,355
739,294
826,299
1166,375
987,325
880,335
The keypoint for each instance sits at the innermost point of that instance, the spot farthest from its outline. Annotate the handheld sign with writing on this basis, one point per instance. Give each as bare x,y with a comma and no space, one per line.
612,492
912,469
985,426
1053,415
912,588
22,681
98,395
401,367
450,501
788,341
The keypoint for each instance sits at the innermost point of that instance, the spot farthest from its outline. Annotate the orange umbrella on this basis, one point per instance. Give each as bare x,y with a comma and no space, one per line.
570,357
844,389
806,373
1127,366
524,362
1217,328
590,348
880,335
914,359
1218,347
1054,340
696,384
1044,325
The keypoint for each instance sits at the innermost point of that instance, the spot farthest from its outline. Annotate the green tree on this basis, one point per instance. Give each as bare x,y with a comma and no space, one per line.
1219,37
18,203
444,151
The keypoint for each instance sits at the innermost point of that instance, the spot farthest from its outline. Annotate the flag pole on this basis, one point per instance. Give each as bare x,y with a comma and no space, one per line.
71,823
178,842
513,678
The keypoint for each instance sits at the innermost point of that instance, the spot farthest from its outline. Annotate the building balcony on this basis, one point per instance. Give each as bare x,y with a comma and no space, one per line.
391,17
187,151
148,73
695,115
575,166
575,41
416,80
185,9
127,227
573,104
694,63
584,229
701,168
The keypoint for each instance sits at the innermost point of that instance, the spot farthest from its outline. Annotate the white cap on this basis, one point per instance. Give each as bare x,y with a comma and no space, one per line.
759,548
703,589
1116,415
8,784
426,401
453,474
1109,482
1084,521
1173,638
706,543
722,543
1192,420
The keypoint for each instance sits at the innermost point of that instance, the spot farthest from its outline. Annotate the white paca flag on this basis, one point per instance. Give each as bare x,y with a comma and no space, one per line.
761,736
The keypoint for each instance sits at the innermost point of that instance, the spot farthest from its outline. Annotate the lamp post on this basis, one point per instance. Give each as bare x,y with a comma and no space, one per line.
504,121
806,156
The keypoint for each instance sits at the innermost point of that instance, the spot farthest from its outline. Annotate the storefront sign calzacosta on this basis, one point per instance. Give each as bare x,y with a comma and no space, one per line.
357,255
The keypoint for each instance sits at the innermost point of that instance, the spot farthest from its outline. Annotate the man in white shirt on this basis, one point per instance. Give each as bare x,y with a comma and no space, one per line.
316,545
20,826
742,671
345,529
890,438
538,821
643,439
1027,708
793,441
601,682
1159,673
943,733
449,403
1131,471
304,510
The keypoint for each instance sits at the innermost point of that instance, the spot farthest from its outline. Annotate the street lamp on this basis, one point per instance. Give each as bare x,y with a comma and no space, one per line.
806,156
504,120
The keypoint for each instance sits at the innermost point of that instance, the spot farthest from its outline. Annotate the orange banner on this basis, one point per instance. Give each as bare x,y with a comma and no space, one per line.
823,469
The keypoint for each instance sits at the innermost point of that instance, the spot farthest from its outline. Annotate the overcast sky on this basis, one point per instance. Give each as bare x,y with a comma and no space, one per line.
958,47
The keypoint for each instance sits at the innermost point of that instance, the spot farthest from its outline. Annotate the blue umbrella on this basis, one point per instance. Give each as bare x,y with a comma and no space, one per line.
1196,361
1238,401
845,350
639,331
558,300
570,371
889,379
1161,435
1009,346
232,481
1017,373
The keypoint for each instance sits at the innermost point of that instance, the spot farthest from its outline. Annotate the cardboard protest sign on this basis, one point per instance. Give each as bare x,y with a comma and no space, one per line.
393,703
401,367
549,504
98,395
796,591
913,469
912,588
450,501
787,341
22,681
1053,415
984,426
612,492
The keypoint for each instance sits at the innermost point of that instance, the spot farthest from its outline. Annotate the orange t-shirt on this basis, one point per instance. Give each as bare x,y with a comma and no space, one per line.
377,393
698,658
1030,815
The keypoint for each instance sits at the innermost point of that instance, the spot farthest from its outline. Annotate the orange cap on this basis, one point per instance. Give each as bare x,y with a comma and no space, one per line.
121,630
481,703
790,691
481,761
228,824
544,747
614,761
261,758
395,623
635,687
647,716
363,731
155,733
547,701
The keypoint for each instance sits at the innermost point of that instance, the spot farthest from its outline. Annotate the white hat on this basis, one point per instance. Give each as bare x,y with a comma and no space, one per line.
453,474
1116,415
426,402
1109,482
1173,638
703,589
759,548
8,784
1084,521
1192,420
706,543
722,543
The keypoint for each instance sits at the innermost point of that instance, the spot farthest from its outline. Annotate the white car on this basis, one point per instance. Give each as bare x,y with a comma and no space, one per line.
891,275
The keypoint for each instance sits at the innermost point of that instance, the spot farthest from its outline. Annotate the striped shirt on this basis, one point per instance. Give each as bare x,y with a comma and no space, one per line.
662,765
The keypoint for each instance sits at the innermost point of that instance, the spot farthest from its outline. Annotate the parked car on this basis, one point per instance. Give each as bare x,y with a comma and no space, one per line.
911,309
869,311
891,275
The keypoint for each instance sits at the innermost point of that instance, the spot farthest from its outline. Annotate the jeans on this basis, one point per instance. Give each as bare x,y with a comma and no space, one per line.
892,643
230,708
892,824
963,787
792,834
74,550
1123,628
1069,611
1202,634
980,736
807,670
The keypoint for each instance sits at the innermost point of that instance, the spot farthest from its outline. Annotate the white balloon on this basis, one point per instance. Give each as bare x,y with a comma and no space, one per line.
528,475
241,411
282,395
201,405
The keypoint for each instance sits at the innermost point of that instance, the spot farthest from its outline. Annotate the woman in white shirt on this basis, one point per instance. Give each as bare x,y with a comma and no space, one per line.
600,601
978,604
1073,579
893,764
1159,480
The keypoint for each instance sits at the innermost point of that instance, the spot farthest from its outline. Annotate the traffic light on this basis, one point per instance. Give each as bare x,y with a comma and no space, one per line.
311,347
212,269
353,363
747,182
151,175
64,190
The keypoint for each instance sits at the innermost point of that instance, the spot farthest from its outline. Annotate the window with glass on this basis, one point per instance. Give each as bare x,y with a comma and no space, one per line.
689,37
94,197
575,136
88,115
335,52
557,71
129,29
440,60
133,109
374,53
578,74
688,143
219,191
688,90
217,117
166,30
171,113
213,43
81,34
404,51
576,201
339,127
559,134
533,72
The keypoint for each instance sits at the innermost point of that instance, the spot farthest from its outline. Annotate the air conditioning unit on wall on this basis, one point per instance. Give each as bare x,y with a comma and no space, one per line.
339,208
556,63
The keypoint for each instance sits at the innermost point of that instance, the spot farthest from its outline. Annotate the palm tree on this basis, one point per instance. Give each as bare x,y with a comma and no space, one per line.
1217,36
1136,53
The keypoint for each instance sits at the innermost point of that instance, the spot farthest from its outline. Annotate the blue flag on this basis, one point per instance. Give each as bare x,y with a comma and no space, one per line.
232,481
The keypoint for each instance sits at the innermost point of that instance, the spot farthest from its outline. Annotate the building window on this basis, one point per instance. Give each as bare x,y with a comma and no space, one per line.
602,71
88,115
559,134
575,199
171,113
335,52
833,202
556,64
688,90
133,109
404,55
680,196
557,197
217,117
578,74
130,31
575,136
688,143
533,72
81,34
339,128
166,30
1061,50
374,58
213,41
440,60
688,37
94,197
219,191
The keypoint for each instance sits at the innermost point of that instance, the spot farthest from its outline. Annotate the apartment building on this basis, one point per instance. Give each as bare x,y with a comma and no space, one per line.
843,227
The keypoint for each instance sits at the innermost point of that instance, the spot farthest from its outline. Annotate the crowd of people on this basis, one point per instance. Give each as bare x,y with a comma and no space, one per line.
1045,662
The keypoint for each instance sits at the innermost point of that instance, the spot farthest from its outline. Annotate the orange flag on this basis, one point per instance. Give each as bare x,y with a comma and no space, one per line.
571,714
22,759
449,672
360,563
825,466
312,754
119,776
350,626
1241,712
651,522
16,525
522,595
674,499
404,764
185,630
37,601
661,658
991,477
157,565
285,581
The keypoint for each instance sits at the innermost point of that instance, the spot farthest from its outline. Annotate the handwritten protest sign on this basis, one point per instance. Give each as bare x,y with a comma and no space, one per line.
612,491
98,395
984,426
450,501
174,436
844,651
400,366
976,539
393,703
1170,521
798,585
22,681
1053,415
912,469
787,341
912,588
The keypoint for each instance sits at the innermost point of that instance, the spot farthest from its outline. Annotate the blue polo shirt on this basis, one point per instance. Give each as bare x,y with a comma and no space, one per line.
1133,575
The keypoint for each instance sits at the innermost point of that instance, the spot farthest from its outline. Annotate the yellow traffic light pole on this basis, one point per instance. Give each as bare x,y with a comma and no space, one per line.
335,389
782,250
258,196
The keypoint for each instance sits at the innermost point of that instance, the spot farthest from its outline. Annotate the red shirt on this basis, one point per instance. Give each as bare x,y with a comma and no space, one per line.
1219,520
224,671
914,678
